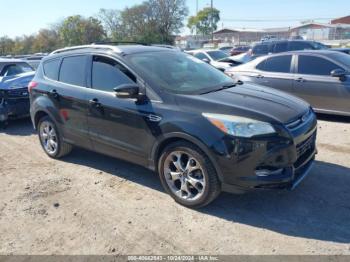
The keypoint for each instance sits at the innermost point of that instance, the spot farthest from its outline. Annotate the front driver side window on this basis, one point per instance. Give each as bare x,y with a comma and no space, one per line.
108,74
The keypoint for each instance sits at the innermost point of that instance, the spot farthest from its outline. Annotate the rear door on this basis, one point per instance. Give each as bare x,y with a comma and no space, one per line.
314,83
276,72
66,89
118,127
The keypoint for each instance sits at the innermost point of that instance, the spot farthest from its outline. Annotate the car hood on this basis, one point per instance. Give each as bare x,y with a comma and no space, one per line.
250,100
16,81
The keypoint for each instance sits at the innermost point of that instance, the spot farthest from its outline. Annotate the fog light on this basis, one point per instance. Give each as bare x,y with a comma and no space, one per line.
3,118
266,172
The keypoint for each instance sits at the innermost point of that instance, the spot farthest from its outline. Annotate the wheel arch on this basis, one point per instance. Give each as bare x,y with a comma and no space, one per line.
175,137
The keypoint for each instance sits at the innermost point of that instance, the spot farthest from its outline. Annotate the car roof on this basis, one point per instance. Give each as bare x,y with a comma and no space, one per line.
11,60
311,52
117,49
285,40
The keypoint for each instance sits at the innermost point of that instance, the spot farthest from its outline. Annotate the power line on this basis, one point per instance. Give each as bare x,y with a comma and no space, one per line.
275,20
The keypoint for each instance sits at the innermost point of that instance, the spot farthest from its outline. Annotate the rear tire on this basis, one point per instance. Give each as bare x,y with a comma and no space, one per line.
188,175
51,140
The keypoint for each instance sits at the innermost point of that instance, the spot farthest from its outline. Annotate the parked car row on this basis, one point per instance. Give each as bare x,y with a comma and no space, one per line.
319,77
216,58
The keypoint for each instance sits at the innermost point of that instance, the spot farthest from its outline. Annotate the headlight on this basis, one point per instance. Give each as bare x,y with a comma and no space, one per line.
239,126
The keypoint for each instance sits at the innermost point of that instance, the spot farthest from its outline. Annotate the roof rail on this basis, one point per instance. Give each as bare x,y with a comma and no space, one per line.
95,46
118,43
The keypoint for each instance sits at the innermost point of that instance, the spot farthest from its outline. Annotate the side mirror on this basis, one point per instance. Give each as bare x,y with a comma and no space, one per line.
338,73
206,60
127,91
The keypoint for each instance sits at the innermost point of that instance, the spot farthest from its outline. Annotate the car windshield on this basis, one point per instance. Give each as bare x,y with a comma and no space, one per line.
342,58
15,69
217,55
178,72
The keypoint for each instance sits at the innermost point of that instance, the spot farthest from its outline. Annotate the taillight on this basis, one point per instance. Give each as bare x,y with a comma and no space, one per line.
32,85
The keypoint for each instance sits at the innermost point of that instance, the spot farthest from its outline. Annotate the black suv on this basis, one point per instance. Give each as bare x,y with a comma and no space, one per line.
173,114
272,47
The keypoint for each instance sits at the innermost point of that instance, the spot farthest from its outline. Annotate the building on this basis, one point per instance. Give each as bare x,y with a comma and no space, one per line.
319,31
341,20
239,36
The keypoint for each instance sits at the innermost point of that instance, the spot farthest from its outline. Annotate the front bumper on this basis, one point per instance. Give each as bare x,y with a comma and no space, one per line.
14,105
279,162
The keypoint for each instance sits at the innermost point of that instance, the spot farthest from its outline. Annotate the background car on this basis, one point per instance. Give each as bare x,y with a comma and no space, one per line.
269,38
239,50
343,50
15,76
320,77
216,58
34,61
225,49
273,47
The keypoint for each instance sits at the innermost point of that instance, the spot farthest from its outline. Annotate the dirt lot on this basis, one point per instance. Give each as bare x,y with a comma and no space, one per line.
92,204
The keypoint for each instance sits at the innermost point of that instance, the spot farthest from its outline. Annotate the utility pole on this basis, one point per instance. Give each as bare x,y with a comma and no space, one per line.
196,15
212,22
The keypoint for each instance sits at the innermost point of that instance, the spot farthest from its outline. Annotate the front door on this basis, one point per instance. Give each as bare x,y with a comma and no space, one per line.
314,83
275,72
118,127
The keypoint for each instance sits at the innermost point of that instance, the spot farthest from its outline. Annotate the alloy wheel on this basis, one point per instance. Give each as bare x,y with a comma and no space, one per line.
184,175
48,137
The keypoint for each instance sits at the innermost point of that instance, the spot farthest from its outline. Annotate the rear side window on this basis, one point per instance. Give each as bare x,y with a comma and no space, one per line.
261,49
313,65
293,46
73,70
51,69
280,64
108,74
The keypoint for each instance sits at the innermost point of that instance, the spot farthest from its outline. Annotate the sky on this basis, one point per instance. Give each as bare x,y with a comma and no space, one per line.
28,16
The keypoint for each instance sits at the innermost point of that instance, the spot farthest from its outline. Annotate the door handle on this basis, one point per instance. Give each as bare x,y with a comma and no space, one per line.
260,76
300,80
54,93
94,102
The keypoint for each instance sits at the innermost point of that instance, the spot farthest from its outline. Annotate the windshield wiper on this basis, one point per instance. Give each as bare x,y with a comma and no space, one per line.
223,87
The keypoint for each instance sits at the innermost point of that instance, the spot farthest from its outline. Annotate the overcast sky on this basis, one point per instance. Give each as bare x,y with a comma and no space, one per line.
28,16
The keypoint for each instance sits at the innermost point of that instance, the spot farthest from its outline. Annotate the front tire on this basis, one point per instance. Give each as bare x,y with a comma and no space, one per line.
188,175
50,139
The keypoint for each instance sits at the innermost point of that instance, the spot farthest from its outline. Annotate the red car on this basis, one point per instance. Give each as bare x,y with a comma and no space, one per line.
239,50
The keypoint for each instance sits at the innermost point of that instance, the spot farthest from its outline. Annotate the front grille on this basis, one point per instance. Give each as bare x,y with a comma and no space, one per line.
17,93
306,145
296,123
305,149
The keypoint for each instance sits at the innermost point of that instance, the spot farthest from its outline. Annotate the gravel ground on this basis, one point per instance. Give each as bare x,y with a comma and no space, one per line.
92,204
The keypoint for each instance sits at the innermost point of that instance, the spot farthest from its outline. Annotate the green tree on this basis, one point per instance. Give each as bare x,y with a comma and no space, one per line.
205,21
169,16
46,41
112,23
77,30
6,45
153,21
23,45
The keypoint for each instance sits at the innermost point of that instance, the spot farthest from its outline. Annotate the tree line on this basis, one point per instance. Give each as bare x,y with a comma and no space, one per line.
152,21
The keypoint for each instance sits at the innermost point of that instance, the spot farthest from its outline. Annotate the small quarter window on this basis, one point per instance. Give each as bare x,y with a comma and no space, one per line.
51,69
